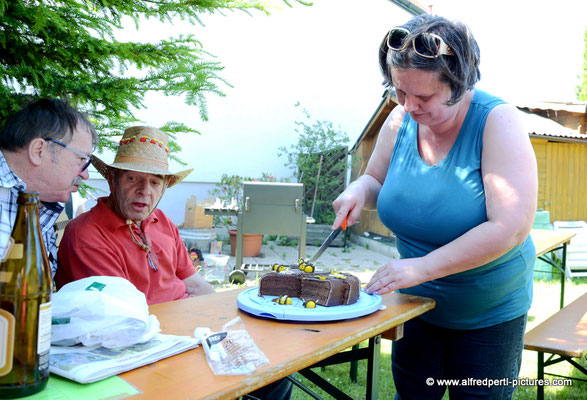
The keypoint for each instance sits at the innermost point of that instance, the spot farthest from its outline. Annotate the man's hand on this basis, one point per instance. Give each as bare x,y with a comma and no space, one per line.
195,285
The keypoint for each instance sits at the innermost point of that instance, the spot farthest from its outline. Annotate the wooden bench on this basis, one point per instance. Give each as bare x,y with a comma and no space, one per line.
564,334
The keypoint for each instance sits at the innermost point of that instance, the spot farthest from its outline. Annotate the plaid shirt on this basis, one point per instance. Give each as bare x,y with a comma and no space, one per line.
10,185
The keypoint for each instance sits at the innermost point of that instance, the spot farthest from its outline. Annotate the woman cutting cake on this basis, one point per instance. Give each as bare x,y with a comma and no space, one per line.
453,175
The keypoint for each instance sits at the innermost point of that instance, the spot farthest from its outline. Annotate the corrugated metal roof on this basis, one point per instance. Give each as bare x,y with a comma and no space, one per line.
541,126
575,108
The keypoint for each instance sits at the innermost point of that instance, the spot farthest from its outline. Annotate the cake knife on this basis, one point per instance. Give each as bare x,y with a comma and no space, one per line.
329,240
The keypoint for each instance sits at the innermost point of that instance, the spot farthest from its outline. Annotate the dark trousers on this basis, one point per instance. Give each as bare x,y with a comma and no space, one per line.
278,390
483,363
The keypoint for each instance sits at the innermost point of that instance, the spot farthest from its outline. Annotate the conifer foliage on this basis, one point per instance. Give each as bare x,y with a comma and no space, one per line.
69,49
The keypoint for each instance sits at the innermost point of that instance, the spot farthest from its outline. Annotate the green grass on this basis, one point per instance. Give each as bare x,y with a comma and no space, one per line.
285,241
546,303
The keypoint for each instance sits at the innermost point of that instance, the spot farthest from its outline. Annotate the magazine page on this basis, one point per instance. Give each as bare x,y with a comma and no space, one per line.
90,364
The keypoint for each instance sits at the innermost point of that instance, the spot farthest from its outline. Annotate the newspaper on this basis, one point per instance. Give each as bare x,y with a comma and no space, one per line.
85,364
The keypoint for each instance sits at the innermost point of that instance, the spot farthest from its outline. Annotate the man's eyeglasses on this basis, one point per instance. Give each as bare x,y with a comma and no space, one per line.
428,45
82,155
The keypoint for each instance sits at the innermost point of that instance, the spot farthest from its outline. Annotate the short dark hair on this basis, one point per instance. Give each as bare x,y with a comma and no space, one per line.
44,118
460,70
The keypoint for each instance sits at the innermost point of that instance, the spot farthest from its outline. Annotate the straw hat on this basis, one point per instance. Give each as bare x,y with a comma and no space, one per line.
142,149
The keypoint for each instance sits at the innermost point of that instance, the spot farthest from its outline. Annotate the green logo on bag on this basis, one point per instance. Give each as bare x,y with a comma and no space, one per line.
96,286
60,321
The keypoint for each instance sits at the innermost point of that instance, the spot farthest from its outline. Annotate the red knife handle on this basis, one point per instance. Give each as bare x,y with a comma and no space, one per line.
343,223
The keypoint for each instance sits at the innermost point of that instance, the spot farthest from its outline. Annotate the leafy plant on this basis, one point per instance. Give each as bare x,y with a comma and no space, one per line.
285,241
582,88
319,161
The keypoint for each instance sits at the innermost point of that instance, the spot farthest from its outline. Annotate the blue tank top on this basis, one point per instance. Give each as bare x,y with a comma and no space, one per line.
427,207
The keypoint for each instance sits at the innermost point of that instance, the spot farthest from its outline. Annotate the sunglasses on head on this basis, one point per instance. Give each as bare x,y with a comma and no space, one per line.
428,45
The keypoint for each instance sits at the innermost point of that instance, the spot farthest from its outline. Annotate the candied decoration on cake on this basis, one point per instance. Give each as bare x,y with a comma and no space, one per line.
278,267
284,300
324,288
338,275
310,304
306,266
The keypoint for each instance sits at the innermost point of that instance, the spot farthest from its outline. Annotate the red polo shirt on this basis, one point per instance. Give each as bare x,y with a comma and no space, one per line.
98,242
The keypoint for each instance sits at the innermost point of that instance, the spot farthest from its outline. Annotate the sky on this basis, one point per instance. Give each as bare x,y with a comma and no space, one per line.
325,58
530,50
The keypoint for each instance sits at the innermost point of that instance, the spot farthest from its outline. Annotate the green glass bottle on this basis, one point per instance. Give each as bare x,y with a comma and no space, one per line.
25,305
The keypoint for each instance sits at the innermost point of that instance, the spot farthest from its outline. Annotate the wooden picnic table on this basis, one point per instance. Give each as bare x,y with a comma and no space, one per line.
546,243
289,346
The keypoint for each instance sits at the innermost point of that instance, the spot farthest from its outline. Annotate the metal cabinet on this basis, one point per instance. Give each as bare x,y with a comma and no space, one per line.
271,208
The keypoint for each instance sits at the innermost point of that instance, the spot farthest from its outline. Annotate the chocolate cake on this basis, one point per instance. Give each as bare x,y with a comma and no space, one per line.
324,288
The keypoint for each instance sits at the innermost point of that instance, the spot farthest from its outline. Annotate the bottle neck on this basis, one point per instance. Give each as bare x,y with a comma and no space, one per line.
28,210
28,198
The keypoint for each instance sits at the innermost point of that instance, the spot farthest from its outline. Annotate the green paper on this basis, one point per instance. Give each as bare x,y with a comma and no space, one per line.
59,388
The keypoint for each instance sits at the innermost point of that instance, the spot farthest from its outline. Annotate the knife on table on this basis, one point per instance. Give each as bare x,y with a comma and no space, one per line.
329,240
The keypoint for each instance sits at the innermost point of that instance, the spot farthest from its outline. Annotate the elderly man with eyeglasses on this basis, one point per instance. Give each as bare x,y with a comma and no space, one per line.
45,147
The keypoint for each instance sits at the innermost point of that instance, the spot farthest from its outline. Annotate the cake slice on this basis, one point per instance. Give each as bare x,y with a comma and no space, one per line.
326,289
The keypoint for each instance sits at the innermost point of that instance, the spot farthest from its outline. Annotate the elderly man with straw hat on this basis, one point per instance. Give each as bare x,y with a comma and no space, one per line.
125,234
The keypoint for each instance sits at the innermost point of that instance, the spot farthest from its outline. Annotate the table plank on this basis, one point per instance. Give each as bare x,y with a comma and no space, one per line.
290,346
547,240
563,333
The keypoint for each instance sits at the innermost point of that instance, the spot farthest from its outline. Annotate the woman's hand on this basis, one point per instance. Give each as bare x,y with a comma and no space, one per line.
349,203
397,274
360,193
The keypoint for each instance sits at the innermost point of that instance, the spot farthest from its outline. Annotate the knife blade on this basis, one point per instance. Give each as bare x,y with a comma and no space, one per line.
329,240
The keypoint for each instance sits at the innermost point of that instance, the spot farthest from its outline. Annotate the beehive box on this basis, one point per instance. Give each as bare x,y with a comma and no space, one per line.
194,214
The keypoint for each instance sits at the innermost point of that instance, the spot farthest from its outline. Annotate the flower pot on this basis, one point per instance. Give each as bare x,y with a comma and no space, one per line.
251,244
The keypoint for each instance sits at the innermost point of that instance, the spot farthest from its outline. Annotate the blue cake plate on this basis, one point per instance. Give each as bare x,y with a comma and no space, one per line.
263,306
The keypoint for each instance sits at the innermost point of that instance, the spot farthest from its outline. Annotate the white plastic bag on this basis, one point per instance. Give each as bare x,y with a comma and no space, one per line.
101,310
231,351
